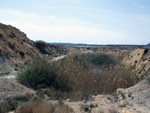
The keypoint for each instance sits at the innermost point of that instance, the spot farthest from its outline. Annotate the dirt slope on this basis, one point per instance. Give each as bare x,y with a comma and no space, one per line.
139,59
15,50
16,47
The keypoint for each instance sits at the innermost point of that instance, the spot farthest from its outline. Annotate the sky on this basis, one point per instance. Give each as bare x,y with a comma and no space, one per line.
80,21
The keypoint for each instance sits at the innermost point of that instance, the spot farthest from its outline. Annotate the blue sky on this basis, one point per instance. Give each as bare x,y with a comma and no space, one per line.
80,21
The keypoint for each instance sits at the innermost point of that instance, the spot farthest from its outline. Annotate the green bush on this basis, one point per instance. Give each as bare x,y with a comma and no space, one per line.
39,75
99,59
95,59
41,45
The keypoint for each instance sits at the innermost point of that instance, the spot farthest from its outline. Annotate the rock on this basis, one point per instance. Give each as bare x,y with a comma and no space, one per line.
68,100
138,59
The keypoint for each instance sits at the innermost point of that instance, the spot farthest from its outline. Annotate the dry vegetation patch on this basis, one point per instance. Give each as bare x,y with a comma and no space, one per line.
78,76
39,106
93,74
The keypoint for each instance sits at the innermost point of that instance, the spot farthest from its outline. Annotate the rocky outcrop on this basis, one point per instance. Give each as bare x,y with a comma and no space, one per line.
136,98
139,59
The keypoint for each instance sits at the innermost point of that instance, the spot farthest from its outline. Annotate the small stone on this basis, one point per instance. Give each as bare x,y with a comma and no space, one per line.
68,100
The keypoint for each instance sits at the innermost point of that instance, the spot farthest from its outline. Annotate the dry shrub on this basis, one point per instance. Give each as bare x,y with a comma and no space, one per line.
116,77
78,76
40,106
88,78
11,103
4,107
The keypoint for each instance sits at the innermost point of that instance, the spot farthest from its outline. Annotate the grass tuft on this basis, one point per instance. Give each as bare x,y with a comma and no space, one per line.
39,106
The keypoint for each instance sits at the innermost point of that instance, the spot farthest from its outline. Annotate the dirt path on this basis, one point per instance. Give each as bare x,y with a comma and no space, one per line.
58,58
8,76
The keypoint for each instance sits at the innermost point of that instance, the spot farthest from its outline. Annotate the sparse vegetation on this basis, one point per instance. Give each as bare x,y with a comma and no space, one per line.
77,76
39,106
90,74
11,103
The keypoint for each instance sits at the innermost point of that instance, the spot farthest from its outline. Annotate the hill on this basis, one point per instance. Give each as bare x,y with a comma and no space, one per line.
16,47
15,44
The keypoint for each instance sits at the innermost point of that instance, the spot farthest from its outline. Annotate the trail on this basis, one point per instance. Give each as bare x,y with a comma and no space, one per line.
58,58
6,71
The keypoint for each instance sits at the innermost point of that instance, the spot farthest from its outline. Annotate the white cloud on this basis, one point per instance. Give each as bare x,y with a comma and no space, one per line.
141,6
8,14
68,33
52,17
73,1
16,13
53,29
